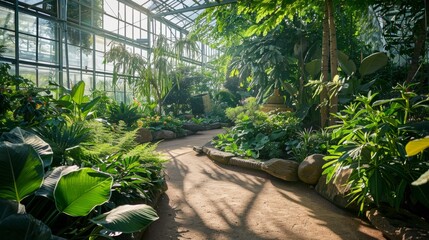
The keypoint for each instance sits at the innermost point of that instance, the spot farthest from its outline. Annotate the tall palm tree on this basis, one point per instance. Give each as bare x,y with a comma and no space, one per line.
155,81
329,63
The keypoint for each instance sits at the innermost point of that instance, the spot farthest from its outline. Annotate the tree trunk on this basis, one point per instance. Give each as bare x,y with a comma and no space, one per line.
333,59
420,33
301,70
325,71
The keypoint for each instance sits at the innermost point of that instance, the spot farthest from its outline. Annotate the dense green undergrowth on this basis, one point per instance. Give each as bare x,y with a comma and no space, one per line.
261,135
69,170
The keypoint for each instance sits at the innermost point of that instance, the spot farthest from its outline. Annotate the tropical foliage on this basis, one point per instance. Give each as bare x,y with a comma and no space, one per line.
342,64
371,140
41,164
74,192
352,73
157,123
262,136
21,102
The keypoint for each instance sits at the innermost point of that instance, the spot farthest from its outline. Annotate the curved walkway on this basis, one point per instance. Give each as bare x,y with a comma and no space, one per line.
210,201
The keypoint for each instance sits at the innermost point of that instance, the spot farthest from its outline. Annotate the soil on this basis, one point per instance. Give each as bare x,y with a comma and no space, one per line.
206,200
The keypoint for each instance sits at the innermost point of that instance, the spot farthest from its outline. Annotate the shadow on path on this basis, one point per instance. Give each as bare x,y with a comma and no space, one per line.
210,201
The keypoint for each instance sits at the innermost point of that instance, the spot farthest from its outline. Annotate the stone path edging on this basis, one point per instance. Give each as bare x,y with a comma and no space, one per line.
280,168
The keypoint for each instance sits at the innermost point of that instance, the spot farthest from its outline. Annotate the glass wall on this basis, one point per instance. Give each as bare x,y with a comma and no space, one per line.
35,43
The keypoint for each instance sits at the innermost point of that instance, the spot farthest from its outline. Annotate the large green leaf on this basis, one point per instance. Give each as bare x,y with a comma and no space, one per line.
78,192
346,64
51,179
24,226
87,107
17,135
373,63
78,91
21,171
313,67
65,101
127,218
375,183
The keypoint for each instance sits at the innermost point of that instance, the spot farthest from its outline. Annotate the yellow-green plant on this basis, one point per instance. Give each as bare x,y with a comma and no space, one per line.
413,148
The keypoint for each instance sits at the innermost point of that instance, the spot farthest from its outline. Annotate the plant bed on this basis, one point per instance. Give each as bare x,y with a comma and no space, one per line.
153,129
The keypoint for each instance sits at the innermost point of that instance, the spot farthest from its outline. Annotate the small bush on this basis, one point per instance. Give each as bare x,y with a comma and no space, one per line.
249,110
157,123
123,112
263,138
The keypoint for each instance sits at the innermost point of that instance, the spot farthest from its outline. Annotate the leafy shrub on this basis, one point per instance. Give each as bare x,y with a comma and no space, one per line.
102,107
226,98
123,112
178,98
138,174
217,113
308,142
22,103
250,110
156,123
104,140
262,139
62,138
197,104
370,139
74,104
127,140
137,169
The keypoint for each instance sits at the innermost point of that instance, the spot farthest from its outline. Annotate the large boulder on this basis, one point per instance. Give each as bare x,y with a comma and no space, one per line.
310,170
337,189
143,135
163,134
281,168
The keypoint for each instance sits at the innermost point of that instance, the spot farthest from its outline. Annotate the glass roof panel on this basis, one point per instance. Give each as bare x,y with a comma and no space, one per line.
180,12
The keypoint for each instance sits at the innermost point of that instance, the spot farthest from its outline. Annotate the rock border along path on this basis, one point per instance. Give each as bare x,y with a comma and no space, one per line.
207,200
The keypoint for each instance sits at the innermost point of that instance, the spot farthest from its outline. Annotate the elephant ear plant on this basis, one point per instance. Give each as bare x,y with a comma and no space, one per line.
73,191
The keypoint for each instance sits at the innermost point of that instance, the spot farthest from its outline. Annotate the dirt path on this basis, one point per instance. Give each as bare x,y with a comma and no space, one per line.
210,201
